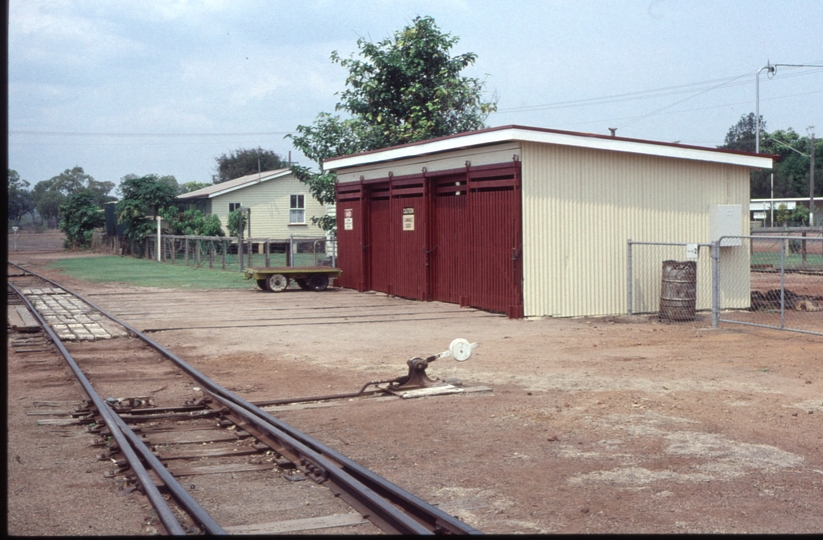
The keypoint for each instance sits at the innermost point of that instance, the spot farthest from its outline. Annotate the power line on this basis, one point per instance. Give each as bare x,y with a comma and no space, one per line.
680,111
109,134
647,94
639,118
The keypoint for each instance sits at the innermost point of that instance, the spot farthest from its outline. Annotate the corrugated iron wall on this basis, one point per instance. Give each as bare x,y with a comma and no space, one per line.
451,236
581,206
350,226
409,238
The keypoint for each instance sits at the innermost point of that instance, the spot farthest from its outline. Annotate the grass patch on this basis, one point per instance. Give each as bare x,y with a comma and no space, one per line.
792,260
145,273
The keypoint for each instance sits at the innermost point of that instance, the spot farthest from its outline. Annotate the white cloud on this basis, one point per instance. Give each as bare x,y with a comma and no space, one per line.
56,33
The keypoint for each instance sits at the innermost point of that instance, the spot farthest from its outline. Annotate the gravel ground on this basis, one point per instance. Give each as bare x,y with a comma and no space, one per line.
611,425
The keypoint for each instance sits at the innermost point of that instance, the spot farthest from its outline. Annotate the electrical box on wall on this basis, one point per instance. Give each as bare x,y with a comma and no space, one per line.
726,220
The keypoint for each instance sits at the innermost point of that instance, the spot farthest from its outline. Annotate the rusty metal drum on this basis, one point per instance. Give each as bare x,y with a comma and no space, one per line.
678,291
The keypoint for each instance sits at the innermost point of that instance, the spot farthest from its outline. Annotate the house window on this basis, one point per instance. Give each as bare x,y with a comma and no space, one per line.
234,206
297,210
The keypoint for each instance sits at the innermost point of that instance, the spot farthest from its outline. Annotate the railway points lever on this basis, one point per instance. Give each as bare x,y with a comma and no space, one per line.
459,349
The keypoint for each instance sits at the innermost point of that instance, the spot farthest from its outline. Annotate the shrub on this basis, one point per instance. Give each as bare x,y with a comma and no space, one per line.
79,217
192,222
236,222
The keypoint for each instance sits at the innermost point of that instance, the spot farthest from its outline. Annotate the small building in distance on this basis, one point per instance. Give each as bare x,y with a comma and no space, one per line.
535,222
280,204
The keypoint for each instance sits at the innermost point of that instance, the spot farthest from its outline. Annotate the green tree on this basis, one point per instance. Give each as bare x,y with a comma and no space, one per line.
192,222
791,169
743,135
406,88
49,194
70,181
783,214
79,216
236,222
188,187
47,200
101,190
20,200
168,180
800,215
246,161
139,198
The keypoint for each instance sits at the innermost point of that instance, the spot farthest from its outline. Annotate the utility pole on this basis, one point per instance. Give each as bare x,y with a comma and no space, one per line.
811,180
770,69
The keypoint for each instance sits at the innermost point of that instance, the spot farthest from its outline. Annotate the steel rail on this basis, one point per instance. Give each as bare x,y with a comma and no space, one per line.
378,510
164,512
435,519
178,491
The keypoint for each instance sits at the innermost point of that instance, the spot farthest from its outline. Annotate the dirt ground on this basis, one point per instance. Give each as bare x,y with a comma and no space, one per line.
594,425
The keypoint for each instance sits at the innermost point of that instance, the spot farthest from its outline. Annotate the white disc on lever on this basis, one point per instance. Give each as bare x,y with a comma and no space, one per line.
460,349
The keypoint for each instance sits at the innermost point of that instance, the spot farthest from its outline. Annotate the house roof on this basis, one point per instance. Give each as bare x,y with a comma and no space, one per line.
495,135
231,185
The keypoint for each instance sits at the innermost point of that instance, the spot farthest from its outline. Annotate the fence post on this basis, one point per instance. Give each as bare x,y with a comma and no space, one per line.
211,253
715,252
782,283
629,285
268,253
803,249
240,250
224,254
251,252
290,256
197,249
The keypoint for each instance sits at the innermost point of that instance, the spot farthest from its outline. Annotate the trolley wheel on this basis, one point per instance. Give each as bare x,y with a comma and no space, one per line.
277,282
319,282
302,284
262,284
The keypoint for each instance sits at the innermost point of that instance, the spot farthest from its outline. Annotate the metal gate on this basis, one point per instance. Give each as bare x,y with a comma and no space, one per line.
783,282
452,236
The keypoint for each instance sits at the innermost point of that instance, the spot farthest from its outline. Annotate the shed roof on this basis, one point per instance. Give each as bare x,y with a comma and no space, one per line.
232,185
512,133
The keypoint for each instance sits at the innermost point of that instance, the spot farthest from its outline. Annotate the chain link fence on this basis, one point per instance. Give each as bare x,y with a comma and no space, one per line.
772,281
785,282
653,279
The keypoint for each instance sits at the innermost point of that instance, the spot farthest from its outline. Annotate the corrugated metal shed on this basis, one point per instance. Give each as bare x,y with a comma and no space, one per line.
549,236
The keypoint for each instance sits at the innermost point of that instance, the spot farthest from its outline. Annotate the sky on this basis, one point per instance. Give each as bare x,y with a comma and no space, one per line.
124,87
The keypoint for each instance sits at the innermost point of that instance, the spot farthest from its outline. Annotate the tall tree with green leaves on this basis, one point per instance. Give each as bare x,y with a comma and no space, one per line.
188,187
245,161
47,199
49,194
790,176
743,135
79,216
402,89
167,179
20,200
141,197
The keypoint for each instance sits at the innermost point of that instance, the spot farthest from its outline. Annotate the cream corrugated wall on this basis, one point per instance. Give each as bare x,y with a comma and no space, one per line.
269,202
580,207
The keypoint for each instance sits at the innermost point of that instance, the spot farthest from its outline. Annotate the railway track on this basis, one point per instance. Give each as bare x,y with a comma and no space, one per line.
200,452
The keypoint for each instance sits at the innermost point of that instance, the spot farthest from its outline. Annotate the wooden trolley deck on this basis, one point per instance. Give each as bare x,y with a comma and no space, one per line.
277,278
